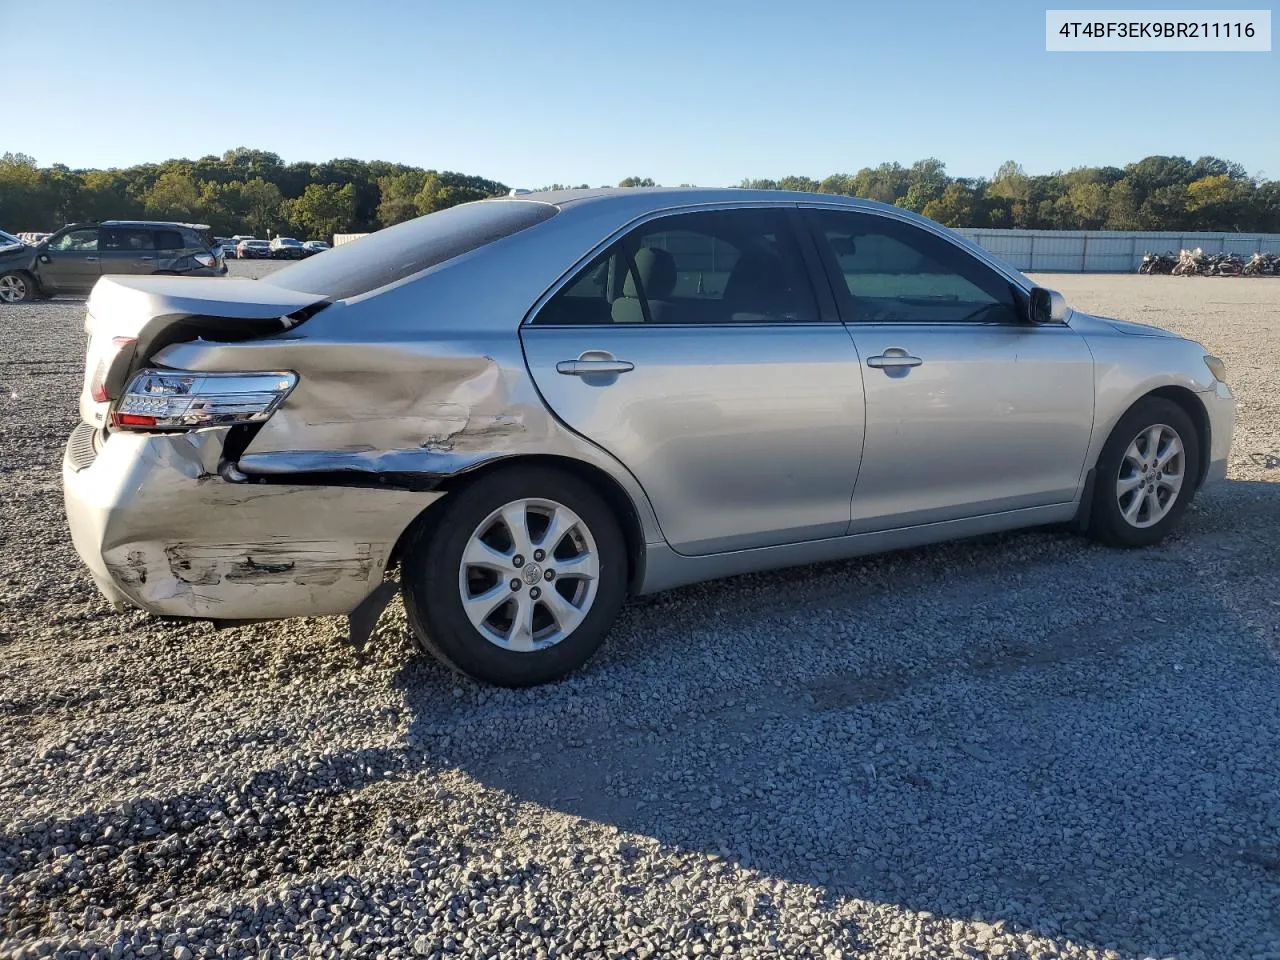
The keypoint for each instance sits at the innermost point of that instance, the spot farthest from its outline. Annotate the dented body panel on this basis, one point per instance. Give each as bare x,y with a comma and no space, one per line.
160,529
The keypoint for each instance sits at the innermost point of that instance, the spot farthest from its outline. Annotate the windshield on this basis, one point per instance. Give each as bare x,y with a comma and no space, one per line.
407,248
8,239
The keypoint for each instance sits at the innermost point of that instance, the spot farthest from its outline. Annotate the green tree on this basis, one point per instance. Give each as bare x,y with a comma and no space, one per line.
838,183
1165,208
325,209
638,182
801,184
1216,201
1122,207
24,204
105,195
259,205
1014,186
398,195
1086,205
441,190
955,208
175,196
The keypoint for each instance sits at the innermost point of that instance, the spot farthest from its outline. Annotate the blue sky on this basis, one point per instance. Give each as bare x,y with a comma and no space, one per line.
699,91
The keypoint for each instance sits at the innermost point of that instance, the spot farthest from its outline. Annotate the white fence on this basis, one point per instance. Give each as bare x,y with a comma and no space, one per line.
1106,251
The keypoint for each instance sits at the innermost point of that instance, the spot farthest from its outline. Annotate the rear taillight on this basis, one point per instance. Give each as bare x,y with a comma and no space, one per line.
103,356
184,400
205,259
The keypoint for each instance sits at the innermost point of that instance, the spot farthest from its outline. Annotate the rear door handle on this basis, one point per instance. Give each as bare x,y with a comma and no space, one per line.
146,258
893,358
90,259
586,366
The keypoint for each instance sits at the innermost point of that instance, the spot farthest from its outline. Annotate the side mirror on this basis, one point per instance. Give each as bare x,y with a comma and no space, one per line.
1048,306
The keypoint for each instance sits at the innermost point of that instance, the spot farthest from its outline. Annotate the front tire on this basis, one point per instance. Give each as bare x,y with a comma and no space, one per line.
17,286
1146,475
518,579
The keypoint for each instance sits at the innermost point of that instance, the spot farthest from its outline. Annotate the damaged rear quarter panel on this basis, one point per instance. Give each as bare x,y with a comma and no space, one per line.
427,402
420,405
178,539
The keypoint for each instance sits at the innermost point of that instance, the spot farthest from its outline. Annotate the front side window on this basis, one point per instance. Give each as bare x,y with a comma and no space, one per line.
896,272
76,241
715,267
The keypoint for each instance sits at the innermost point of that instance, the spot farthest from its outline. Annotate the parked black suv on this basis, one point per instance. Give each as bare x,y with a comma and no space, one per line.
71,260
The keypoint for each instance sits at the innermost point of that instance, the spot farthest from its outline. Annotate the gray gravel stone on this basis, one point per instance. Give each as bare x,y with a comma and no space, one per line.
1019,746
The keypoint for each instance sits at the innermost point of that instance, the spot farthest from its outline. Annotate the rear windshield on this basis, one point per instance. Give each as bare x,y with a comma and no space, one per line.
407,248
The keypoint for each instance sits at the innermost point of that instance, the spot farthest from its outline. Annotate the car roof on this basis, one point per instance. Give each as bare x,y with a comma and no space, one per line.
629,203
147,223
659,198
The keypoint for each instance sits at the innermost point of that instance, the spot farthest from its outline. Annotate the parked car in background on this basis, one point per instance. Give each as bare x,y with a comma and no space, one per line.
287,248
537,405
17,282
250,249
33,238
71,260
228,247
311,247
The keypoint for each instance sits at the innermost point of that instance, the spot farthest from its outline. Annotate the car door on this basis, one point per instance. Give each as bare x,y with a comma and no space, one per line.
971,409
127,250
170,248
70,262
694,351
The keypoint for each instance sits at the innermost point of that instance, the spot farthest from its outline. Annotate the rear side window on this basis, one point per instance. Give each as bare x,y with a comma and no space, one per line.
126,239
397,252
717,267
169,240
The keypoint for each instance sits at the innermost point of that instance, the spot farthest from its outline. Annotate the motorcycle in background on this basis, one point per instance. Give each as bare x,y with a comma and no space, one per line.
1262,265
1190,263
1158,263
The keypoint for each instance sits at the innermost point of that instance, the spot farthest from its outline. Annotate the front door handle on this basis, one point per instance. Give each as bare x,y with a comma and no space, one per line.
146,258
892,359
90,259
594,363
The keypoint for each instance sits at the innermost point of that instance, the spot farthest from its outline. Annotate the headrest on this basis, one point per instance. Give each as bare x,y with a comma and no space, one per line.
657,270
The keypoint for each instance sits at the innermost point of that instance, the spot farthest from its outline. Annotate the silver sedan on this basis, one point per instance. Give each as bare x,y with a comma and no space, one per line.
523,410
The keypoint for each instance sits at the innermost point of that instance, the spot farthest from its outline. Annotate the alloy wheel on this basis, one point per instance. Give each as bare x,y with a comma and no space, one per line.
529,574
13,289
1151,475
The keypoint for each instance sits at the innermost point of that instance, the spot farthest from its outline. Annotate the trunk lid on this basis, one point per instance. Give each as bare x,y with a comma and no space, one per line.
129,319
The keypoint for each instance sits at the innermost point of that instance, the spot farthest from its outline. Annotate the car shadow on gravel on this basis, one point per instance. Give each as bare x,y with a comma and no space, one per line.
1102,773
916,729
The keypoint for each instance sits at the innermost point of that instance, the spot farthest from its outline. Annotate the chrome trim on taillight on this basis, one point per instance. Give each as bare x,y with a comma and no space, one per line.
186,400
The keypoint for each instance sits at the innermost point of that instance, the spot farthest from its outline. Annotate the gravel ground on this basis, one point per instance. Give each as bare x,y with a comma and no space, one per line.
1019,746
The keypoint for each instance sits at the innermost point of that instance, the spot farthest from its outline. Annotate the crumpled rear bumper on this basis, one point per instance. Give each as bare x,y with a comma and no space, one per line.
158,528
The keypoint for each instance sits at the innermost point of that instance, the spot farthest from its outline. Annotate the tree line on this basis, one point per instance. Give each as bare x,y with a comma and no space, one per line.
254,192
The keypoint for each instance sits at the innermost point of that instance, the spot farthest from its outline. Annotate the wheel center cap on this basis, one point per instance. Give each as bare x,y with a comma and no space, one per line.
532,573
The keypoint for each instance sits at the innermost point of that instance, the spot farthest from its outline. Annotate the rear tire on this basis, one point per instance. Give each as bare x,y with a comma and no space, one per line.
509,606
1146,475
18,286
